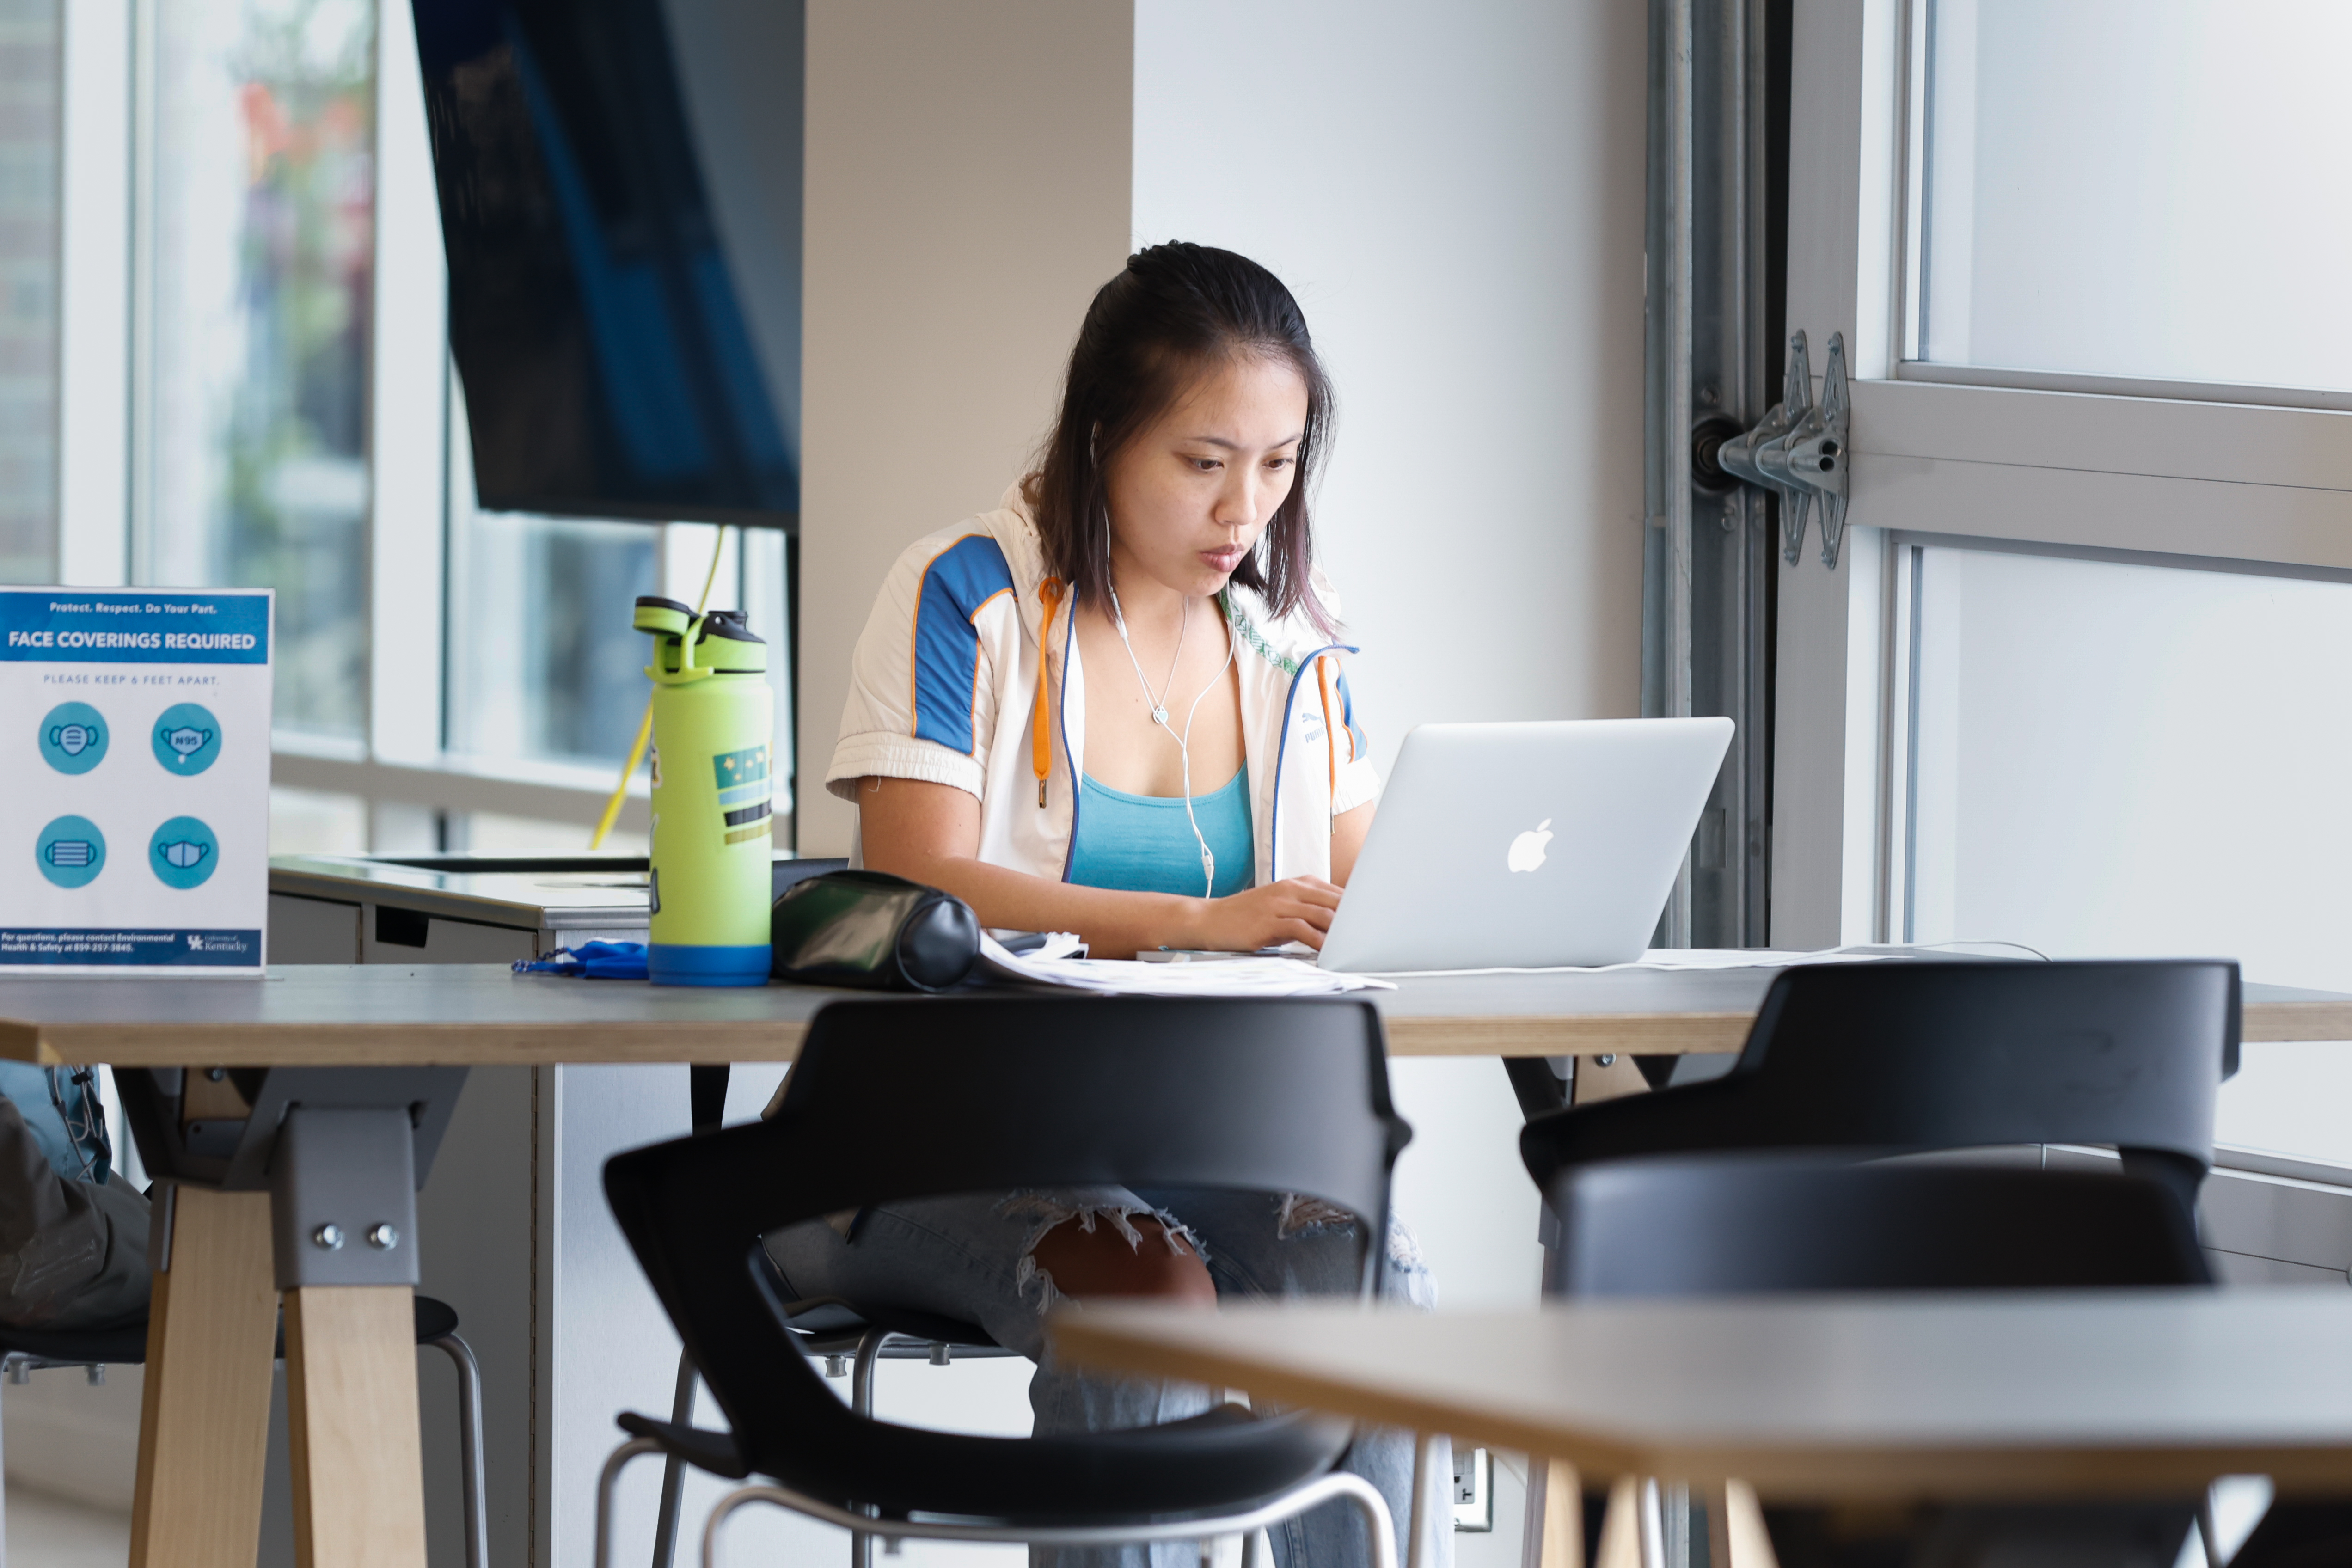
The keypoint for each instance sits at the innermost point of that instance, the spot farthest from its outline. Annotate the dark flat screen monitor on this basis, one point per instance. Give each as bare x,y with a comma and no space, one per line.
620,191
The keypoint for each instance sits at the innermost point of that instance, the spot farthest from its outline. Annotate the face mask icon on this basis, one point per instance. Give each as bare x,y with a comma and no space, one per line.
73,740
187,740
71,852
183,853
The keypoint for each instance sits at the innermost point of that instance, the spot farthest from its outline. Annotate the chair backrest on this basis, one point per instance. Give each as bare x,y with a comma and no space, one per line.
1915,1055
903,1098
1728,1224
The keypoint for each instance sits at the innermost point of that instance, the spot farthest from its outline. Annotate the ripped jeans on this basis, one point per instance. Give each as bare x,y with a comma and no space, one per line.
968,1257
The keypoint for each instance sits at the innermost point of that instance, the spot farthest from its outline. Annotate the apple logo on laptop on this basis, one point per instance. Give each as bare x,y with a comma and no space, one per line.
1527,848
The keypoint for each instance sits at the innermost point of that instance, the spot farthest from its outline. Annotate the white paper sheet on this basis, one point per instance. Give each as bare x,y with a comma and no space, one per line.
1681,958
1127,977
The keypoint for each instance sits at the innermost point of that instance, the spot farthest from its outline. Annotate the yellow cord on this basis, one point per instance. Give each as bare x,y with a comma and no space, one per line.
645,724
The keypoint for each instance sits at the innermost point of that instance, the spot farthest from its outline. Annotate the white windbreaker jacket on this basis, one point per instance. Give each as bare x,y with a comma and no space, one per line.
967,675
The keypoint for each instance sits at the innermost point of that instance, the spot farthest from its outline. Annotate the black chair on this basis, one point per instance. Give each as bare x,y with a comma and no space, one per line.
1918,1054
897,1099
26,1350
2297,1535
1732,1225
850,1343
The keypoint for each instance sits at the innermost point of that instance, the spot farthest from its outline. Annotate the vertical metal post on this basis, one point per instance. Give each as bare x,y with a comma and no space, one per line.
1707,561
1677,411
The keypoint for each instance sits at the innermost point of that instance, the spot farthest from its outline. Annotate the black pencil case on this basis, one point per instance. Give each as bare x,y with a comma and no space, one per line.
874,931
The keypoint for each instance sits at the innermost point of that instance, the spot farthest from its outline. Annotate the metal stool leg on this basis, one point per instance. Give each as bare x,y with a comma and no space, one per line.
673,1492
469,1446
2208,1536
606,1478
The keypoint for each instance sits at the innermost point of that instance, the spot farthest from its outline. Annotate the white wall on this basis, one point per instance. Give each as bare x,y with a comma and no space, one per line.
1455,197
967,194
1455,194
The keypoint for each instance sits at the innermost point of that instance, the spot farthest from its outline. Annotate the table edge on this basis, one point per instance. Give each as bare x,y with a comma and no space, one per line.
1791,1472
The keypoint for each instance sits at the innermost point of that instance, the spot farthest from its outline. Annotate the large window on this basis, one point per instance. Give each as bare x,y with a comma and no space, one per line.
30,37
2079,679
2107,756
280,411
251,445
2122,188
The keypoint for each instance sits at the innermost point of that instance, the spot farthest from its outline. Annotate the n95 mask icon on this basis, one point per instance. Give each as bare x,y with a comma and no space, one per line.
182,852
72,739
186,739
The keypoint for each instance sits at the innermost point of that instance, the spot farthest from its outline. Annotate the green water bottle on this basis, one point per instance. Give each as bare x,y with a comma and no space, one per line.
713,719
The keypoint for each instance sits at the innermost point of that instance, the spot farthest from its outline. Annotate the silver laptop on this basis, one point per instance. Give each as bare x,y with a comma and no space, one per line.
1525,846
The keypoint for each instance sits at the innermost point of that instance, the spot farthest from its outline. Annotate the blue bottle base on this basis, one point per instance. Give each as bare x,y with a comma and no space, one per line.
676,964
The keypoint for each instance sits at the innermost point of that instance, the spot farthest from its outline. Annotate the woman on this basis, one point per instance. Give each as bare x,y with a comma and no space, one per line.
1115,706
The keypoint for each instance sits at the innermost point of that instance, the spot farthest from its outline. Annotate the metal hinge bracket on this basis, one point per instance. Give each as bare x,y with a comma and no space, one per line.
1799,449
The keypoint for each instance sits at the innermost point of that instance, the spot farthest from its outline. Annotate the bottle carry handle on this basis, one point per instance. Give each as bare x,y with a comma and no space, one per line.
688,671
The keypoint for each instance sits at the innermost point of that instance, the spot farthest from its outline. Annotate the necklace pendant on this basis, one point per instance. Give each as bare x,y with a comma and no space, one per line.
1159,716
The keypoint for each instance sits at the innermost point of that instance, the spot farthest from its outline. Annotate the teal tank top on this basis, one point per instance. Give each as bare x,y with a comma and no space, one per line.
1142,844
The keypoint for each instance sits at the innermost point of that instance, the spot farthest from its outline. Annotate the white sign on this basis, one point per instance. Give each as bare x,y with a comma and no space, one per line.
135,737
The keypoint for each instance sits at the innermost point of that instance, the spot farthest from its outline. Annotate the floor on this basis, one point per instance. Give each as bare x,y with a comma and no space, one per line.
49,1532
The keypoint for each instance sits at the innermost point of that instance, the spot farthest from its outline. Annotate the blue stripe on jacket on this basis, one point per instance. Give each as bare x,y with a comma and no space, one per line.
959,582
1356,745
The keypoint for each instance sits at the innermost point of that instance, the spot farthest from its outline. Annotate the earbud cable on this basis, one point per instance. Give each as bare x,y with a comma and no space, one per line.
1183,742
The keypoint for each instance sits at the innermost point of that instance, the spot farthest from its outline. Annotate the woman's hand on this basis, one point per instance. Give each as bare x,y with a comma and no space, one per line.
1297,908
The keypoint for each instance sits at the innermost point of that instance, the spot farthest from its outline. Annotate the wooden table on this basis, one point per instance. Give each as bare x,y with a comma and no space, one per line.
350,1369
477,1014
2025,1394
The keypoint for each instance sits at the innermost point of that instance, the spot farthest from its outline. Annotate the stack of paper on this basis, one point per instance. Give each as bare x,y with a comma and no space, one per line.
1127,977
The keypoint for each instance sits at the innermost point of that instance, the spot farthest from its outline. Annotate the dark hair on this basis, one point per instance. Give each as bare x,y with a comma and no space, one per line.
1173,311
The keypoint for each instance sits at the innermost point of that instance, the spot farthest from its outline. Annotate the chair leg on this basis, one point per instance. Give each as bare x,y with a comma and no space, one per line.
606,1478
470,1447
1654,1525
861,1402
1379,1525
673,1492
1417,1521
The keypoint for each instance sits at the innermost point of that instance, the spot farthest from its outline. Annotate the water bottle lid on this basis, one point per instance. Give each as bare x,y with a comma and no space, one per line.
728,624
656,614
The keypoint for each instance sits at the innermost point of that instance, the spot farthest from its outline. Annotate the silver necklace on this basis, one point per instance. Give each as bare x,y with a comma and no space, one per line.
1159,703
1184,741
